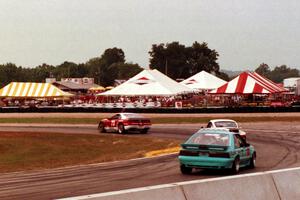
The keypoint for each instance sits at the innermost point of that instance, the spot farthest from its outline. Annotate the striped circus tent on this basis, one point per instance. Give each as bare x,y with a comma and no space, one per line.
29,89
249,83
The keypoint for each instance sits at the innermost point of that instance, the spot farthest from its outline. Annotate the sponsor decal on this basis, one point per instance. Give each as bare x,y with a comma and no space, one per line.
248,152
142,81
191,81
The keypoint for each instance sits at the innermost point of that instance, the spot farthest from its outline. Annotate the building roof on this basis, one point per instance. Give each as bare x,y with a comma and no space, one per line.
203,81
148,83
29,89
75,86
249,83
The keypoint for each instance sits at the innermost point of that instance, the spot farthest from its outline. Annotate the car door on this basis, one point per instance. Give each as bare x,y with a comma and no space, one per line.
240,148
114,121
246,148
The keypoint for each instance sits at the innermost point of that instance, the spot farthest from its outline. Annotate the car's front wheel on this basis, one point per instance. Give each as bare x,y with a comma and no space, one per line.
101,128
252,161
121,129
235,166
185,170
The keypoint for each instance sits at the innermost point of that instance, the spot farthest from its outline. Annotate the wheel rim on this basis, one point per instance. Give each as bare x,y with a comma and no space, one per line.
237,165
120,128
254,160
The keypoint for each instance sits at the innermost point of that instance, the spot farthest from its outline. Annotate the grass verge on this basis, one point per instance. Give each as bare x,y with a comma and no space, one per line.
159,120
28,151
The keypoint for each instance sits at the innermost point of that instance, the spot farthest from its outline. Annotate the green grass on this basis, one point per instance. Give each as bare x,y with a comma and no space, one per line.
27,151
158,120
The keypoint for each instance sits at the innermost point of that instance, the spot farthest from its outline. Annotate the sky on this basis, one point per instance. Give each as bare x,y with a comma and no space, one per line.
244,33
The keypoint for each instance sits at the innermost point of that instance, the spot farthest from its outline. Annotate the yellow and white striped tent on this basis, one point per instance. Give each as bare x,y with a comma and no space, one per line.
29,90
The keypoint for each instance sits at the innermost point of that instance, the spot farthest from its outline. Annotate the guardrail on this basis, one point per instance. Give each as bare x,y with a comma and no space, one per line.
153,110
279,184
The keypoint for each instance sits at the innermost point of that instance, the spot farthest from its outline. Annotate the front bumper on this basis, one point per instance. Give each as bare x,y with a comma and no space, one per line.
206,162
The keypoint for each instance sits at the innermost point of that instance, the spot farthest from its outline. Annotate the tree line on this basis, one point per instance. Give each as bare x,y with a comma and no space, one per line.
105,69
278,73
173,59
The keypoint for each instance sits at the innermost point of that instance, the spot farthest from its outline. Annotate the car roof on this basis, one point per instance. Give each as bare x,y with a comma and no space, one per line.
216,131
226,120
126,114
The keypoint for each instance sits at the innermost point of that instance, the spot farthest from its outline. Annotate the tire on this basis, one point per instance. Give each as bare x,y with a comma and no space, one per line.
144,131
121,129
235,166
252,161
185,170
101,128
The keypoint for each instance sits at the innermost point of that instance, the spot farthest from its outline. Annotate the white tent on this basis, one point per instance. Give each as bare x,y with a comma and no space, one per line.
203,81
148,83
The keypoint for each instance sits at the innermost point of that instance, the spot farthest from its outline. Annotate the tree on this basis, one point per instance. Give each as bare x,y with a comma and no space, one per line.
223,75
278,73
113,55
124,71
10,72
264,70
178,61
282,72
105,69
41,72
200,57
107,59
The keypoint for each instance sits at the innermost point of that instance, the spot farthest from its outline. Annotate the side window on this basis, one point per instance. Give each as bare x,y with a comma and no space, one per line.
115,117
238,142
209,125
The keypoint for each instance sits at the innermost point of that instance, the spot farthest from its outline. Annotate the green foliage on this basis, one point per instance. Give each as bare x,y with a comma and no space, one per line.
278,73
223,75
104,69
10,72
124,71
179,61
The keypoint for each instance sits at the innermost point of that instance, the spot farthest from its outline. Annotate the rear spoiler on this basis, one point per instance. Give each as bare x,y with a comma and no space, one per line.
203,147
235,130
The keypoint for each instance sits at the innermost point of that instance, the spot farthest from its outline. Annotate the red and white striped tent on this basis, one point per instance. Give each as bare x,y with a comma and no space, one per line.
249,83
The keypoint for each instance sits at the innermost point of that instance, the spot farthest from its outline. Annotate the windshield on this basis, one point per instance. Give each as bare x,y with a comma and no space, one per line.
209,139
226,124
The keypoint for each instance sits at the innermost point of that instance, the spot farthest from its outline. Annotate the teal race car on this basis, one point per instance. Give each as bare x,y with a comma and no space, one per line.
216,149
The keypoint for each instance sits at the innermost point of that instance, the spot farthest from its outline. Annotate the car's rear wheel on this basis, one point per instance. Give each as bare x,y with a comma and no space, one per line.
235,166
101,128
121,129
252,161
185,170
144,131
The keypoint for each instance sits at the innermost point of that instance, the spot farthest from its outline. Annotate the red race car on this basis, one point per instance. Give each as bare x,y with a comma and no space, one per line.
123,122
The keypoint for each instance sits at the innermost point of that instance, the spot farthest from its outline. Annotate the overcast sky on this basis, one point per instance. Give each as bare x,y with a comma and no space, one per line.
245,33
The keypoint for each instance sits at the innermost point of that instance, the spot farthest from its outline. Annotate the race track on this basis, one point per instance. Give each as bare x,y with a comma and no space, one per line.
277,146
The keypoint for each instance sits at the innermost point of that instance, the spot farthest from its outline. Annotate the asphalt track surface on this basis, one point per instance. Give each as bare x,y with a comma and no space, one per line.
277,146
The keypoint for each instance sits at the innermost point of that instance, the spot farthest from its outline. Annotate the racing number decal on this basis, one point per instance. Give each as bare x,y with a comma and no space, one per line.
247,152
113,123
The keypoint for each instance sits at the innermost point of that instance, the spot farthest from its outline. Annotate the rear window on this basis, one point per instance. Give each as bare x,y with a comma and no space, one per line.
133,116
209,139
226,124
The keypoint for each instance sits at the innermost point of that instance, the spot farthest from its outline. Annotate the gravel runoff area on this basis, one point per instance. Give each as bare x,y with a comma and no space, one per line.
152,115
